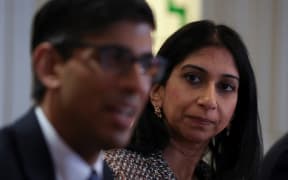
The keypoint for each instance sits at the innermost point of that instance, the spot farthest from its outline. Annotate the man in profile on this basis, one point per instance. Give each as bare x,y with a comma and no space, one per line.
92,69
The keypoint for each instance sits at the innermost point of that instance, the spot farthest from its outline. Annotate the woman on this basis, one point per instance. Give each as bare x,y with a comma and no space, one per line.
202,119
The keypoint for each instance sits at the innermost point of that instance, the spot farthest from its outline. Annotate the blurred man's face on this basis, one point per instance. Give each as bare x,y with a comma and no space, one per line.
101,99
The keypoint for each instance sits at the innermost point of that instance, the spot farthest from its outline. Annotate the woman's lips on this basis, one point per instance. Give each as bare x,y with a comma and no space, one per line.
201,120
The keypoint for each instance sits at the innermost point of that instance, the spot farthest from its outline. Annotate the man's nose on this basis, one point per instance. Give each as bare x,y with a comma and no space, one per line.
207,97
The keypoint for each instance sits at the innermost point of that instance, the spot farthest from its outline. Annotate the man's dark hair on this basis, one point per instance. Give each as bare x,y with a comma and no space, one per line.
77,18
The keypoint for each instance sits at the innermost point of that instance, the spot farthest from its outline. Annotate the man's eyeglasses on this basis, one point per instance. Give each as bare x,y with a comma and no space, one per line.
117,59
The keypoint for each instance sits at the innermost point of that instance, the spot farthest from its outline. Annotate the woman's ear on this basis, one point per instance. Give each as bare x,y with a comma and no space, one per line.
45,61
156,95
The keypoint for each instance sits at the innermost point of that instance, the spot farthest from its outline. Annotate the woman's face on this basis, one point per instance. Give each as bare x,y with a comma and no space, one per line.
200,96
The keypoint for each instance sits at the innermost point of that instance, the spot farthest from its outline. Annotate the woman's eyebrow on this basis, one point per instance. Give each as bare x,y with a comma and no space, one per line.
191,66
231,76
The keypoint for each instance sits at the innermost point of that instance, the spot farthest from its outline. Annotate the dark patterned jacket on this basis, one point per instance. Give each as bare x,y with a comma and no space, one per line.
128,165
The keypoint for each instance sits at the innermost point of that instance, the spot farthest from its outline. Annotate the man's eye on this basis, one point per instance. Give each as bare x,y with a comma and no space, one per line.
114,57
191,78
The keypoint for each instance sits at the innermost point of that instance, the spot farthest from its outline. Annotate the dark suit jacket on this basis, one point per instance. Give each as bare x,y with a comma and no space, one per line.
275,164
24,154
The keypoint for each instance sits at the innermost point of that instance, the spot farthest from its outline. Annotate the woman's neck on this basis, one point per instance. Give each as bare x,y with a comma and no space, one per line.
183,158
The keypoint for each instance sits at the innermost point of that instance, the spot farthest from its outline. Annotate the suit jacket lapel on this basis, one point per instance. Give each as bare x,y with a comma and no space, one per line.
34,155
33,152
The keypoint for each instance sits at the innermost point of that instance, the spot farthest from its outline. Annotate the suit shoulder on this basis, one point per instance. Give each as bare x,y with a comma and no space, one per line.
275,163
279,149
8,149
6,139
9,161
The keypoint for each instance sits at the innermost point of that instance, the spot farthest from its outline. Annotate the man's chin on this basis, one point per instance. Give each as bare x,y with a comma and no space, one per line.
116,143
114,146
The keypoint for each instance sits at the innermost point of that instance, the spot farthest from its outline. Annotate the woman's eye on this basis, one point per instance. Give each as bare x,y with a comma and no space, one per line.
227,87
192,78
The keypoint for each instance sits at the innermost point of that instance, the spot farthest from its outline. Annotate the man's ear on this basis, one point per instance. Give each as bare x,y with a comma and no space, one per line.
156,95
45,59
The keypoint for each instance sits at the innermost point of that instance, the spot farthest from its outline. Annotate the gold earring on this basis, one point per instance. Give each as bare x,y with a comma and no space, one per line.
228,130
157,111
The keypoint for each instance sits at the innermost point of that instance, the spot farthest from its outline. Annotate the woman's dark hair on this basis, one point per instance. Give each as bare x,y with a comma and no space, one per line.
79,18
234,156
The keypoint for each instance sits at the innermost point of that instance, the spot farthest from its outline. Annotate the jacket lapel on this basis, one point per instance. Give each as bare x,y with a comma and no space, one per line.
34,155
33,152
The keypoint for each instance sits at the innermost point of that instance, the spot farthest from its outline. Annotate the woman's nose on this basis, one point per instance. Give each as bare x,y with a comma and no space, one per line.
207,98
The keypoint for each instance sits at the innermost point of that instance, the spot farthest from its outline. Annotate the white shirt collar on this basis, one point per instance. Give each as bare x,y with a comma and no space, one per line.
68,165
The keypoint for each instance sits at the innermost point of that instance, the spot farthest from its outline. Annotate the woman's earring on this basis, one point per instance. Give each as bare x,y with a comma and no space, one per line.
228,130
213,141
157,111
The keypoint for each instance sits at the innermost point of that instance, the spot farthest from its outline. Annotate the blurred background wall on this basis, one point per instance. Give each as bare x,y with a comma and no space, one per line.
263,25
